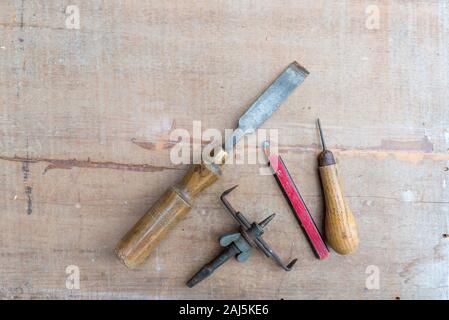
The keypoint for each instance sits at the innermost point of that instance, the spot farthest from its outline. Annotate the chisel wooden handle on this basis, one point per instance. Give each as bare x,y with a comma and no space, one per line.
339,224
172,206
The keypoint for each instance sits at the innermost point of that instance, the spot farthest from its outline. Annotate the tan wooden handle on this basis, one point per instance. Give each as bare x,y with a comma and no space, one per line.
339,224
171,207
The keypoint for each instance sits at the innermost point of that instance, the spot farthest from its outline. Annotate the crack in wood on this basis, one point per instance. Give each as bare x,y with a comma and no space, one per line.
71,163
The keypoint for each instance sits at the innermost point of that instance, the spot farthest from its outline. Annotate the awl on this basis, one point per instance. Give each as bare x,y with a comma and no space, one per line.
339,223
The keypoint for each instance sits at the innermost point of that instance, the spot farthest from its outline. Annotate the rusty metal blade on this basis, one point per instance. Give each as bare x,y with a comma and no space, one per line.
268,102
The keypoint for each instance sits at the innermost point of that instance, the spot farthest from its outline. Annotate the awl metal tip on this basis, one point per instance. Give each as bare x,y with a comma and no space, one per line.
323,143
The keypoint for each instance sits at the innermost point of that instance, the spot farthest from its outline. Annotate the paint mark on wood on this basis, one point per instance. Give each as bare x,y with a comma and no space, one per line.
153,145
408,151
424,145
413,157
71,163
28,192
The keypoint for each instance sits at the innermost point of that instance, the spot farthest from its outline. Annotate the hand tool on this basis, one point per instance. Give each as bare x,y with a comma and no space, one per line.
239,243
296,202
339,224
137,244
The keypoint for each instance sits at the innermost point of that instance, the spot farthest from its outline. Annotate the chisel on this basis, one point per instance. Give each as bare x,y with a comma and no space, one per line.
174,204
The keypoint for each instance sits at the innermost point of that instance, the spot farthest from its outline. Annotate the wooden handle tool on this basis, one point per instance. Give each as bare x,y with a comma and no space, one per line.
174,204
171,207
339,224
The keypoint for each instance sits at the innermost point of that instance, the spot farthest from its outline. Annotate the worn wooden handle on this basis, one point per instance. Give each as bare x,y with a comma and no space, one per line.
340,227
172,206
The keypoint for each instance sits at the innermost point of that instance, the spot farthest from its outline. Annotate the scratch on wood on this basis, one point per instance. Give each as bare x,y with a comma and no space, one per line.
161,145
21,13
409,271
25,170
34,26
28,191
21,48
25,165
71,163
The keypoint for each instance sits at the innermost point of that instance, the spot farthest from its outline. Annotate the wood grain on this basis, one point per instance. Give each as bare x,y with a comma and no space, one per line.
339,223
81,109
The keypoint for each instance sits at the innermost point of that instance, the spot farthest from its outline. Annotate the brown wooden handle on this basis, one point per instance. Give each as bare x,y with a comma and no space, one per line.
340,227
172,206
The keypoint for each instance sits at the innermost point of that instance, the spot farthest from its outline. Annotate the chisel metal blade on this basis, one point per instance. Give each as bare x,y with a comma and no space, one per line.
268,102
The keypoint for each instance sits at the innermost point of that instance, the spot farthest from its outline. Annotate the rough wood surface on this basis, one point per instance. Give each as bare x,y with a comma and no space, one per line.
85,117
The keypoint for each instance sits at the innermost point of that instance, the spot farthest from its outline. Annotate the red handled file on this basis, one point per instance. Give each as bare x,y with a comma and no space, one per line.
298,205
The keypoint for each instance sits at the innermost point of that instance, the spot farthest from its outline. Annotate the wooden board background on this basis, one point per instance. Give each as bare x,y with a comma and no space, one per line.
85,115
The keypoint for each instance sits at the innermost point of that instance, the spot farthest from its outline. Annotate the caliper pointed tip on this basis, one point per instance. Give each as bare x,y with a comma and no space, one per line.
228,191
267,220
291,264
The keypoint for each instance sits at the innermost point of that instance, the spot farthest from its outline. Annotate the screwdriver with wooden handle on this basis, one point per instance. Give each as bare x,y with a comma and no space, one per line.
339,224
